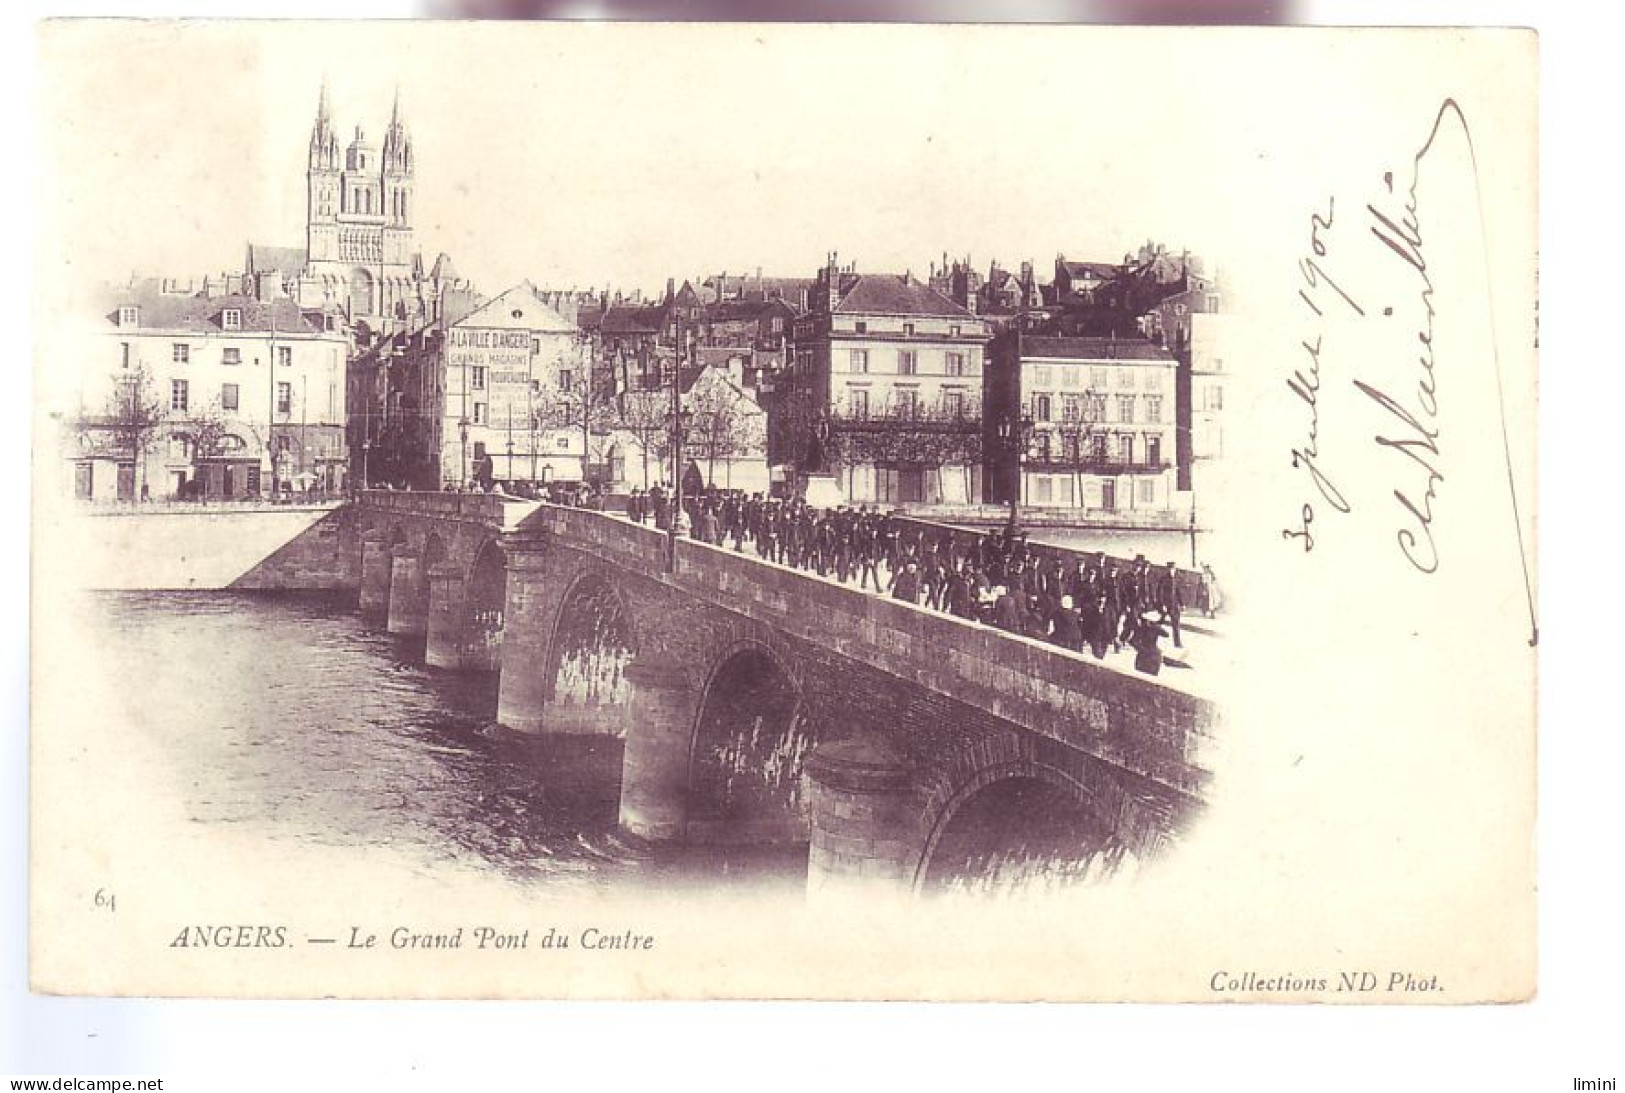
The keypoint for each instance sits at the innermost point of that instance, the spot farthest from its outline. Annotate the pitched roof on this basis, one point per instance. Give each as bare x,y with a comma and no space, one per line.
288,261
890,294
631,319
520,307
166,311
1105,270
1094,349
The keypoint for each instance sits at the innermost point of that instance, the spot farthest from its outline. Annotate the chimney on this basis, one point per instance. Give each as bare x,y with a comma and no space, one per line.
671,288
832,283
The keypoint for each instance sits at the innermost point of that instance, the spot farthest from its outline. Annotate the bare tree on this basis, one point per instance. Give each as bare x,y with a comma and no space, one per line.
132,416
646,414
722,424
586,404
1077,433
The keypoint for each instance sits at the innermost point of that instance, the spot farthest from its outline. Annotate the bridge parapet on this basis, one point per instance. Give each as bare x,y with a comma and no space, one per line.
1136,723
491,509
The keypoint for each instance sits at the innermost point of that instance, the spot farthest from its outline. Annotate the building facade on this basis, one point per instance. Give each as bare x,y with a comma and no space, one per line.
883,394
1085,423
209,396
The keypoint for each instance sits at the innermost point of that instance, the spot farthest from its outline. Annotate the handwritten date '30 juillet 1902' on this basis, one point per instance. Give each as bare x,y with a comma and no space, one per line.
1391,221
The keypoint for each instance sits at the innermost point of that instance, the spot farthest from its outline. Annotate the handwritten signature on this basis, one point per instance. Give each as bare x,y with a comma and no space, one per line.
1412,430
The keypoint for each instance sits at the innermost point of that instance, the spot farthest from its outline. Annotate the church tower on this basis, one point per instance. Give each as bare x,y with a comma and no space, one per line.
359,249
322,181
397,189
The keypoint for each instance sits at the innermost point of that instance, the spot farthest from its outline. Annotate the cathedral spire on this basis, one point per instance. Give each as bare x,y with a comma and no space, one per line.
323,142
397,145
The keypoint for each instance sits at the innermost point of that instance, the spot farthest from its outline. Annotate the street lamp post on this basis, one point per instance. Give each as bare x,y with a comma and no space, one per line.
462,435
1015,432
678,524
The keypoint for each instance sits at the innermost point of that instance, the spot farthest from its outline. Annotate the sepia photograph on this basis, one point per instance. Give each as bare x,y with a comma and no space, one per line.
784,511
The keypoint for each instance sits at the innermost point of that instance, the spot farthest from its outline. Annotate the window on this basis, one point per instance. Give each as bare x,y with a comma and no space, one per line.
1125,377
861,327
479,413
908,330
1070,377
956,364
1153,409
284,398
953,332
180,352
1097,448
908,402
1041,375
231,356
177,394
1125,409
1148,491
228,396
1097,378
124,354
1040,407
1125,449
1042,445
567,378
1097,408
177,447
562,444
778,324
1043,489
477,379
1215,398
908,363
231,319
858,360
857,400
953,404
252,485
1072,408
129,316
1153,450
284,354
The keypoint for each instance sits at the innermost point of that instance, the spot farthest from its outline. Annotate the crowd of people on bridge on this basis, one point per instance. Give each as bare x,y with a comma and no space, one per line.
1078,601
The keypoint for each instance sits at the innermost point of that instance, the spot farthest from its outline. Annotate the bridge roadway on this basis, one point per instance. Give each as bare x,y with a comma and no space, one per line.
762,703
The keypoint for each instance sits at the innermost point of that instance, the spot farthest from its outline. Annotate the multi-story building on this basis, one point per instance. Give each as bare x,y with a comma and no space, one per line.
882,399
488,394
209,395
1080,422
1213,342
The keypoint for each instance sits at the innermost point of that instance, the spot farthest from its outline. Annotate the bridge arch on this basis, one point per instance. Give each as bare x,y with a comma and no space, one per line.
752,735
484,606
593,640
1017,826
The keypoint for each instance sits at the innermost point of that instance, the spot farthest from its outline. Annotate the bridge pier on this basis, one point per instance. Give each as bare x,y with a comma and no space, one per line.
376,564
863,822
523,689
408,613
451,642
654,765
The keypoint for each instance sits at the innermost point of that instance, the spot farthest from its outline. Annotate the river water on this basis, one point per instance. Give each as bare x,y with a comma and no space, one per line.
284,718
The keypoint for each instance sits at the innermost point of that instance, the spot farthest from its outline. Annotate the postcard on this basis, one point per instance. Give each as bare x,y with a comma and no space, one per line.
796,511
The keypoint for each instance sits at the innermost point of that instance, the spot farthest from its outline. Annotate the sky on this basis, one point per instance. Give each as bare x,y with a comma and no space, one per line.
578,156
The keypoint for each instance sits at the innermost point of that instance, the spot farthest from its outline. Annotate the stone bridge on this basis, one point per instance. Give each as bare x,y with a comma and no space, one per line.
762,704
